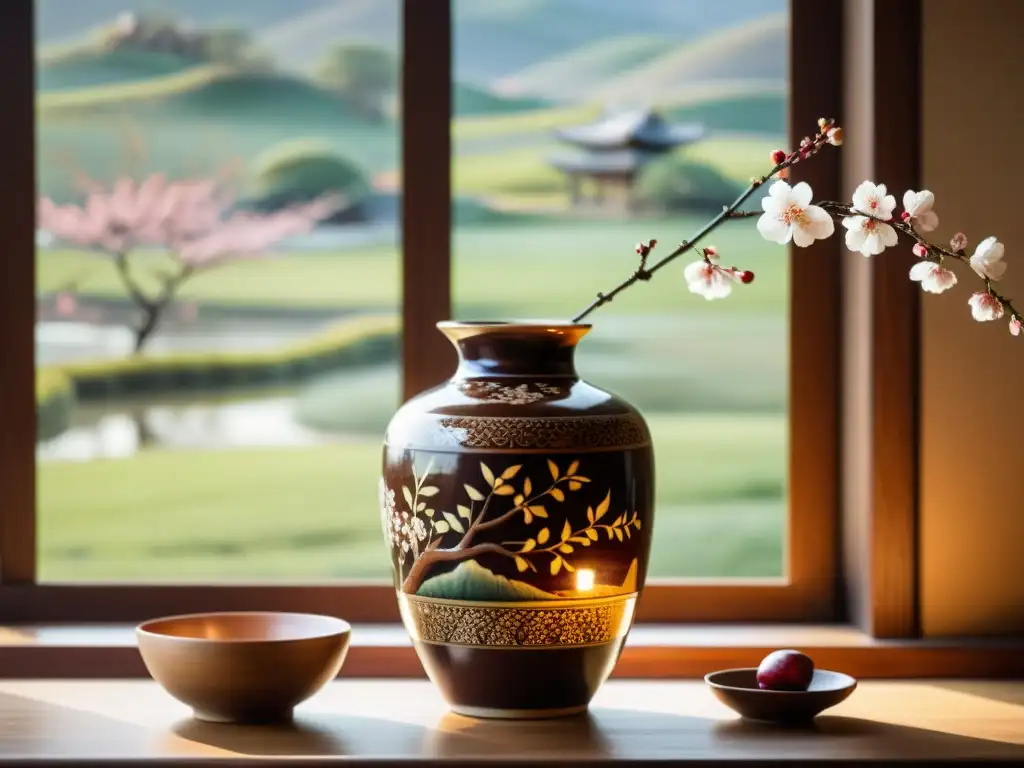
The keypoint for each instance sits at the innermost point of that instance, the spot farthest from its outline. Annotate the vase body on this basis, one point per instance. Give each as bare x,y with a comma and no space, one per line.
517,506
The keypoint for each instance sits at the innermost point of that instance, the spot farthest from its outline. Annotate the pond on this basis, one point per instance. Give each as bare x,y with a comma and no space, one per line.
117,429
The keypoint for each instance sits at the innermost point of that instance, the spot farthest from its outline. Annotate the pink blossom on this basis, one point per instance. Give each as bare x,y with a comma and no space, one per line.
920,251
985,307
1015,325
933,278
187,217
958,242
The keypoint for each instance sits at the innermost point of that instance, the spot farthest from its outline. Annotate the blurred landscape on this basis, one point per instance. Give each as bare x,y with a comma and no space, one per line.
286,101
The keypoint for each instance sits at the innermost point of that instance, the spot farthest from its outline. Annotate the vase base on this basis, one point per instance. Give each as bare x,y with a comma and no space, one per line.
491,713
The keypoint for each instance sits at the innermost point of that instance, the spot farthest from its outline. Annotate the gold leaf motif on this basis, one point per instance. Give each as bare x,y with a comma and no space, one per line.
618,534
575,485
553,468
539,510
611,533
463,511
591,534
618,522
473,493
543,536
527,487
454,522
565,549
568,567
441,526
566,531
504,490
498,482
518,500
407,494
603,506
530,544
572,468
429,490
527,517
488,475
557,494
521,564
509,473
556,565
421,506
636,524
580,540
429,513
590,515
625,530
580,478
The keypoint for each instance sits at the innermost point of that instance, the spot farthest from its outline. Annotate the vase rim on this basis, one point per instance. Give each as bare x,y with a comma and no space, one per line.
485,325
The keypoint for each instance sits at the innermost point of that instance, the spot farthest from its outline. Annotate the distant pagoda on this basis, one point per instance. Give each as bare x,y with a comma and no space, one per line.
612,151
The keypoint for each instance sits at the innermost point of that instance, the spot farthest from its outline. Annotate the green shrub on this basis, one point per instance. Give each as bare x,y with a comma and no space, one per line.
357,342
295,171
675,183
55,402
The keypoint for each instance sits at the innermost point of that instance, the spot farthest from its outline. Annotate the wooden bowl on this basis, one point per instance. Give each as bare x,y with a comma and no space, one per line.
738,690
243,667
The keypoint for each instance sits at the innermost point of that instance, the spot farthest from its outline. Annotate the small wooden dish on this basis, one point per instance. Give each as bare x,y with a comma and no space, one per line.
243,667
738,690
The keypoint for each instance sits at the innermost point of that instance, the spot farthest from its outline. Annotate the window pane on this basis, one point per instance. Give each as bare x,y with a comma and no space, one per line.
218,286
544,221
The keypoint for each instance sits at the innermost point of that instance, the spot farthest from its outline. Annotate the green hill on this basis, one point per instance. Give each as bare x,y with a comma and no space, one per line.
568,76
471,581
753,54
86,66
471,100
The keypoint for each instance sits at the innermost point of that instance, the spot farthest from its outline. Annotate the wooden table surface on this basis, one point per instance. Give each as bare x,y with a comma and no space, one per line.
370,722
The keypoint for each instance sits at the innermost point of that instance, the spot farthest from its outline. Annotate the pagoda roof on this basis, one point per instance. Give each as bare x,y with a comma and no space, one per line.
640,128
618,161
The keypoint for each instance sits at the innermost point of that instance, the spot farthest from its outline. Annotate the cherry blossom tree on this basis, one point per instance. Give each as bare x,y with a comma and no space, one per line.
872,222
192,220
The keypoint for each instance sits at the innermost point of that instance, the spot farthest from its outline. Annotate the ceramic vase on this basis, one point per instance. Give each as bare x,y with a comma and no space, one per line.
517,506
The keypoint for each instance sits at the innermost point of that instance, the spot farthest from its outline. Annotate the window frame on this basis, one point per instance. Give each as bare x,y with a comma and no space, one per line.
809,593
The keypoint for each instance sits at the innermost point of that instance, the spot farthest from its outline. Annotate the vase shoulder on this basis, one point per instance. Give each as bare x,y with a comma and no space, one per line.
503,413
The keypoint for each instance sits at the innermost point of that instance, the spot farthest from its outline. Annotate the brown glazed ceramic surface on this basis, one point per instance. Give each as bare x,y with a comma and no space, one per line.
517,506
738,690
243,667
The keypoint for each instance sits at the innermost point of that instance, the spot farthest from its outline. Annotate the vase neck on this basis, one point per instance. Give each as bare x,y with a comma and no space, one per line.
515,349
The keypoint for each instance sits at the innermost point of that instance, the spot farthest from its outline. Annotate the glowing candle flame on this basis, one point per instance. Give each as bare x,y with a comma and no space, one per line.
584,580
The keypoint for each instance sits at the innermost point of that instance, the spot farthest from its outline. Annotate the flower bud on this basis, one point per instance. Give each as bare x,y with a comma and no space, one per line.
1015,325
958,242
642,249
711,252
835,136
905,216
651,243
920,251
778,156
746,276
823,123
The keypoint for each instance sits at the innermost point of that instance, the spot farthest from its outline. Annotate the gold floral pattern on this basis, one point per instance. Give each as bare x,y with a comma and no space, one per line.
513,626
419,528
496,392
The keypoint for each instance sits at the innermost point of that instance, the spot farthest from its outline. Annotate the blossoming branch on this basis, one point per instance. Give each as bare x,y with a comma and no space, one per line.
871,223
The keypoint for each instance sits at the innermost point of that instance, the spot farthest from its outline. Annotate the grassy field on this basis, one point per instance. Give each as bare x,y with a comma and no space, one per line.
543,270
312,512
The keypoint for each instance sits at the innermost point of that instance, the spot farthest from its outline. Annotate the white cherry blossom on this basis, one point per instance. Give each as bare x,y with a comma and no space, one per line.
789,215
985,307
1015,326
987,260
918,209
869,236
707,279
933,278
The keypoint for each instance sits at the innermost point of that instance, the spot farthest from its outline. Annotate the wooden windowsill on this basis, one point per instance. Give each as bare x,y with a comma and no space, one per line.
652,652
374,723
